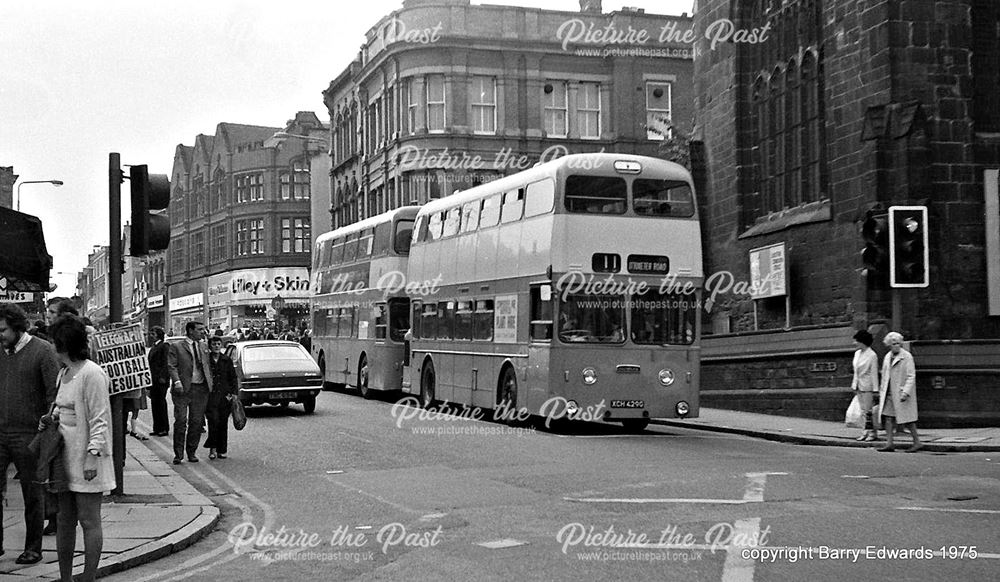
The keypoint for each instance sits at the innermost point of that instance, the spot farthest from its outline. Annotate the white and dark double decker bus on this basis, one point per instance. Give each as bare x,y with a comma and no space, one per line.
359,310
570,289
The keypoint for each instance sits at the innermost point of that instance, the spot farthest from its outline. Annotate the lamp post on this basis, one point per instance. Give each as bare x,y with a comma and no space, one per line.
53,182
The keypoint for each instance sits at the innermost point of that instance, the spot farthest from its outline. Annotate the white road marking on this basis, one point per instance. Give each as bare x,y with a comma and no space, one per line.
949,510
190,567
736,567
500,544
665,500
351,436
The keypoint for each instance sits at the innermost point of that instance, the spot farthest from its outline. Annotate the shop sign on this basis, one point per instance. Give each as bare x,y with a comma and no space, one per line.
187,302
258,284
154,301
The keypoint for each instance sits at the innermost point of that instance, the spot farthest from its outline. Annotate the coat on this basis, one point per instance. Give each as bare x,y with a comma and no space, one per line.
158,356
865,371
903,375
180,362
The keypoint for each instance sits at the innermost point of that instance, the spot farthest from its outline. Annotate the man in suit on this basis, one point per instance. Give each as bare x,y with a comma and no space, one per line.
191,383
158,356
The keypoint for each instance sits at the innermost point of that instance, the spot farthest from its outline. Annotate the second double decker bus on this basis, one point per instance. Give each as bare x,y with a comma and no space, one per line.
570,289
360,312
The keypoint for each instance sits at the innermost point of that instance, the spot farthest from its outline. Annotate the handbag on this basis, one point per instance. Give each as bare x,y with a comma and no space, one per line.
239,414
855,417
47,447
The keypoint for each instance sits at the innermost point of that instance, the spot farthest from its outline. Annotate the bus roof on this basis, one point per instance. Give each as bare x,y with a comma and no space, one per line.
602,161
401,212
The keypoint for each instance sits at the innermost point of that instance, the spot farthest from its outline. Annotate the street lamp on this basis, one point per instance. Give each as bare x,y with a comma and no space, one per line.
53,182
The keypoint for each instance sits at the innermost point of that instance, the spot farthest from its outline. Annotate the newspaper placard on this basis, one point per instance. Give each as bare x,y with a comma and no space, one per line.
122,354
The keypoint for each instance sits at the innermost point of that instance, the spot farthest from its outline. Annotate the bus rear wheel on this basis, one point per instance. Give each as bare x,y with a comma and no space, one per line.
427,385
507,401
363,388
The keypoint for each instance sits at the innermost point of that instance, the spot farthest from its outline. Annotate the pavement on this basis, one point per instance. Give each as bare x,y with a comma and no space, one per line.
807,431
159,514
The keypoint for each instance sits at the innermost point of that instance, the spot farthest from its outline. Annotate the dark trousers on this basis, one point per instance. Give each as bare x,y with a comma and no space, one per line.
217,414
189,419
14,447
158,403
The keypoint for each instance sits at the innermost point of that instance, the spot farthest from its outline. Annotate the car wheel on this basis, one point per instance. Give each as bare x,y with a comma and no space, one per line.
428,384
309,404
363,388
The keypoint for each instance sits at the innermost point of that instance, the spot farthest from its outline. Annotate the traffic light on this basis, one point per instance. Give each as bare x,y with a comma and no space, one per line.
150,192
875,231
909,259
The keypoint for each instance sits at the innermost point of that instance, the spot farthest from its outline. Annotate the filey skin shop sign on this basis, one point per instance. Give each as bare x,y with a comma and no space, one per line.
230,293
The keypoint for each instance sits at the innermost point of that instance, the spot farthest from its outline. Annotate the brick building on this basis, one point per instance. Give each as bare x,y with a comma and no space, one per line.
847,108
445,95
92,287
240,227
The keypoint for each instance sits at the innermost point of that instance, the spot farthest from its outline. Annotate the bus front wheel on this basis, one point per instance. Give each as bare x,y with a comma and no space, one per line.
322,372
366,392
427,385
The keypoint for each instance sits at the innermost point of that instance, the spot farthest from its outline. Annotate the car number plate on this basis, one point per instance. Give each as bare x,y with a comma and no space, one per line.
628,404
281,395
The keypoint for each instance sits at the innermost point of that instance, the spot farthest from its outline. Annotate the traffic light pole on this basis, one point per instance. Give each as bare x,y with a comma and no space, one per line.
115,269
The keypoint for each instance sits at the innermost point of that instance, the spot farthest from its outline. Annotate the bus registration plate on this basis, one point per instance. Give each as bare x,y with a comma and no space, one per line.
628,404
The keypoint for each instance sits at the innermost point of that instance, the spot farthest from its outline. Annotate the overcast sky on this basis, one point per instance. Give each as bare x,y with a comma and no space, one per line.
81,79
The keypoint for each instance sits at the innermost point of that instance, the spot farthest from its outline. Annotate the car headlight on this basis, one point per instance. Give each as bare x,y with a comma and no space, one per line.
683,408
589,376
572,408
666,377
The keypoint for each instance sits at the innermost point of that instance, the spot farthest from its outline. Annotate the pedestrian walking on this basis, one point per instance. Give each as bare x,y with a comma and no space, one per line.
865,381
83,411
191,379
898,393
158,356
28,372
224,390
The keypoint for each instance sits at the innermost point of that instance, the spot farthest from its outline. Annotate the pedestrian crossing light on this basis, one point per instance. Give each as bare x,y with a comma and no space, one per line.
150,193
909,258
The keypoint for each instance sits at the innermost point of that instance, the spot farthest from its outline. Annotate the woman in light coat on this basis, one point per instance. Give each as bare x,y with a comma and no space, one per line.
865,382
898,393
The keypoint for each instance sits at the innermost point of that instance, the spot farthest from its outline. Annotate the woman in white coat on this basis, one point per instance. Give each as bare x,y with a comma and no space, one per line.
898,393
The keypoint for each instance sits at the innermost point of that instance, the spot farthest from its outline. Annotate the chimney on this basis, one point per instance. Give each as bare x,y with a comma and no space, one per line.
591,6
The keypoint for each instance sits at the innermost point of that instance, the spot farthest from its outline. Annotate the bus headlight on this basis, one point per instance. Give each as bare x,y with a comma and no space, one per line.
589,376
666,377
682,408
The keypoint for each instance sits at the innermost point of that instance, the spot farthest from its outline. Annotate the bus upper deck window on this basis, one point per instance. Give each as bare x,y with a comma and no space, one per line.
490,215
404,234
596,195
662,198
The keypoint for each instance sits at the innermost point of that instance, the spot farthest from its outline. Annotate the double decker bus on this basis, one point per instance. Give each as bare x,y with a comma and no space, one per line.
359,310
568,290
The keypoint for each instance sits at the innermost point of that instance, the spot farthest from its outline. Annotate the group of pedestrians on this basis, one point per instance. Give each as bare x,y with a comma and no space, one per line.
44,385
202,386
896,403
55,421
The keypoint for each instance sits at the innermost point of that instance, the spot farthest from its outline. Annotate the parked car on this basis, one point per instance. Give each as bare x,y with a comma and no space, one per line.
275,372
